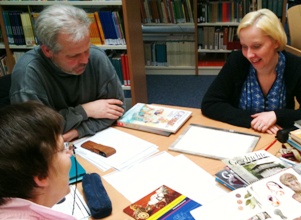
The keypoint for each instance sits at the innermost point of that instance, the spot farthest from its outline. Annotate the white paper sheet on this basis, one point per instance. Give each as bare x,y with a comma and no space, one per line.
213,142
129,149
179,173
81,210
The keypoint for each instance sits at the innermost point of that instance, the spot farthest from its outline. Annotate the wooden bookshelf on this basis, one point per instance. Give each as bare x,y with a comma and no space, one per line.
132,28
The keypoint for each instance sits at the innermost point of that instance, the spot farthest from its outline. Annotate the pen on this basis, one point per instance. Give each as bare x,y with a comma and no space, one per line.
270,145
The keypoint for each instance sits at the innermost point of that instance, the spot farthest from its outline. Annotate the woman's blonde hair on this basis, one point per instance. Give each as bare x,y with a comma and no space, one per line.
268,22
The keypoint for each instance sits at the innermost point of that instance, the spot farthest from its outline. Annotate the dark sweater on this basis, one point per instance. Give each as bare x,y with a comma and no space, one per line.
221,101
35,77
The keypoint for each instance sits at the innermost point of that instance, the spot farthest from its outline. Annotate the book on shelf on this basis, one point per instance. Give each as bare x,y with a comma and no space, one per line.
111,27
8,27
27,29
275,197
94,32
162,203
154,118
116,61
125,69
100,29
255,166
15,21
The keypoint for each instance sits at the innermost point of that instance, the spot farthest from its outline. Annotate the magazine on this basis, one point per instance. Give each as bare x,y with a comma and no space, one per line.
230,179
154,118
256,165
275,197
163,203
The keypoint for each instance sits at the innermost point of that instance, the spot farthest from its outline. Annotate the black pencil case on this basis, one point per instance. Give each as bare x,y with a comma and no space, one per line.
96,195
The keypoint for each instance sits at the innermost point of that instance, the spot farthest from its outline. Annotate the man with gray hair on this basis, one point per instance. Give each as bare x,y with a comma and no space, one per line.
69,74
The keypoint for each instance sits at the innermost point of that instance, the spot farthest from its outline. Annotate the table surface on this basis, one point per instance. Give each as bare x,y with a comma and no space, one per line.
119,202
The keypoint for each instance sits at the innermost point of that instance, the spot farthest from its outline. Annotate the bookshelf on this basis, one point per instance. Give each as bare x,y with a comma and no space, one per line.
133,36
217,19
168,35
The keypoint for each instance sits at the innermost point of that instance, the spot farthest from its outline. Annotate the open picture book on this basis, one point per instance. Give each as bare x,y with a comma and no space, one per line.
154,118
255,166
275,197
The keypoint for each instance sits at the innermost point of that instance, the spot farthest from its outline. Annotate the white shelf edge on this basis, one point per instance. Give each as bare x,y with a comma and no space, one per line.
218,24
213,51
170,67
82,3
126,87
24,47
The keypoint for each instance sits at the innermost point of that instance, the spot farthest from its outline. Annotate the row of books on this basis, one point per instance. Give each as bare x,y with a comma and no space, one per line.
120,63
106,28
218,38
233,11
169,53
19,27
230,11
166,11
276,6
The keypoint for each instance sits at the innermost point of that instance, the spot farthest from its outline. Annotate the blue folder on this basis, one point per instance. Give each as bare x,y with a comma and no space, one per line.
72,173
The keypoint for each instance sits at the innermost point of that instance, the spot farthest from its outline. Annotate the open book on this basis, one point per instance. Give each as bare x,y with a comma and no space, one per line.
154,118
256,165
275,197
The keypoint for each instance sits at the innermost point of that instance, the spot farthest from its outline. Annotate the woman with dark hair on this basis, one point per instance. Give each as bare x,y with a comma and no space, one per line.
34,163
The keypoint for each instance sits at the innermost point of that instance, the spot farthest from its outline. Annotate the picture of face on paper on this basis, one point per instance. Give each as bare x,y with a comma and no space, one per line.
291,181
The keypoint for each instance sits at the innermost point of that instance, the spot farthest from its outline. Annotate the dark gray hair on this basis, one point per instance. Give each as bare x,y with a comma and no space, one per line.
61,19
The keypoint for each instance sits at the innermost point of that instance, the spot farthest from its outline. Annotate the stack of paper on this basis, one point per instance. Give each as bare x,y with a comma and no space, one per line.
129,149
74,199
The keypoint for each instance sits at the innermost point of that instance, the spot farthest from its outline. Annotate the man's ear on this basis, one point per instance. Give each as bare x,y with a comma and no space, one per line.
41,181
47,52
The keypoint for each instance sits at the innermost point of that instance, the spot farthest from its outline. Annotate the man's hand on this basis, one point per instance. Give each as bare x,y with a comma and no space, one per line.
104,108
70,135
265,122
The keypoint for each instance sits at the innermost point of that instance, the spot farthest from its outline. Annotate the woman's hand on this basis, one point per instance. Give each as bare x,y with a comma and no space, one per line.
265,122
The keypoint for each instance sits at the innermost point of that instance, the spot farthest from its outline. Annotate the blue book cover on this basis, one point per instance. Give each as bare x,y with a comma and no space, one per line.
76,166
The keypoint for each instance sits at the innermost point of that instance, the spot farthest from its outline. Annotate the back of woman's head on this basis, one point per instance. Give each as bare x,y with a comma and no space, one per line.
61,19
266,21
28,140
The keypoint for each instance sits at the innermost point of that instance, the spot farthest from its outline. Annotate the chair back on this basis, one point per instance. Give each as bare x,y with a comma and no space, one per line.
293,50
294,25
